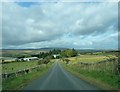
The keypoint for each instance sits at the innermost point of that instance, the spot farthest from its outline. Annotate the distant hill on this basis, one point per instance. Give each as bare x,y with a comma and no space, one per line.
95,50
51,48
60,48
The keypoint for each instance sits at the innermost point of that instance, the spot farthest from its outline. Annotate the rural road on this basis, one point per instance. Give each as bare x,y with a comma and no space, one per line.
59,79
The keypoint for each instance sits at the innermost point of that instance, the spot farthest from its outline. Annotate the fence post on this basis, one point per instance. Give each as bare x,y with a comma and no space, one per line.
16,74
29,70
24,72
6,75
93,66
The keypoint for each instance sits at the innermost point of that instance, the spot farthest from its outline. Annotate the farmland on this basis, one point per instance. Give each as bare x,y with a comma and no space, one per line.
97,67
16,53
16,66
9,65
91,68
92,58
88,58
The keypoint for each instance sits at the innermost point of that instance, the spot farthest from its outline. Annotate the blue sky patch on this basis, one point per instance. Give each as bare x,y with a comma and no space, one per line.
26,4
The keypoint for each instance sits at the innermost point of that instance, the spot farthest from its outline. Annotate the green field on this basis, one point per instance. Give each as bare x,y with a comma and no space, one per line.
16,66
13,66
17,83
102,74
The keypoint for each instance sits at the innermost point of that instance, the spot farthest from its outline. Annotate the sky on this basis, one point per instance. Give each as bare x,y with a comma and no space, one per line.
80,25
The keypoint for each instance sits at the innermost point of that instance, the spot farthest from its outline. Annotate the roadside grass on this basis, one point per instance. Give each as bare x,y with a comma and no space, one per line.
21,81
103,75
15,66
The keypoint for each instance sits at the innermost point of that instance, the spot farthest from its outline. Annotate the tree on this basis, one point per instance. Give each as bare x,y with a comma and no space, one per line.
56,51
64,53
69,53
73,53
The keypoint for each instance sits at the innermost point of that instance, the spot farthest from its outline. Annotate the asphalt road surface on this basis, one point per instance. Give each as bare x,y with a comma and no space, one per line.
59,79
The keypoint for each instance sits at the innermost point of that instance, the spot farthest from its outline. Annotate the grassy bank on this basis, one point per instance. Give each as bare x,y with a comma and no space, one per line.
21,81
101,75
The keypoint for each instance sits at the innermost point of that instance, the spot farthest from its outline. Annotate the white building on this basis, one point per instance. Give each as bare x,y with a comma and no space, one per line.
56,55
29,59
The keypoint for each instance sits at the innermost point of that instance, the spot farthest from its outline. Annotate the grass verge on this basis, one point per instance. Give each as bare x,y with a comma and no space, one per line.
18,82
102,80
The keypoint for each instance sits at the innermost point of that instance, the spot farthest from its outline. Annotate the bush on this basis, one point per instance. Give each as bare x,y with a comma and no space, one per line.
44,61
40,62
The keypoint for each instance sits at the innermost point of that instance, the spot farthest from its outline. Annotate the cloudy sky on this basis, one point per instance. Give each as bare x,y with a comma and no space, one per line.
77,25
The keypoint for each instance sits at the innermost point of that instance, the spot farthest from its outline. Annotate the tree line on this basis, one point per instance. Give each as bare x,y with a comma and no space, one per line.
61,53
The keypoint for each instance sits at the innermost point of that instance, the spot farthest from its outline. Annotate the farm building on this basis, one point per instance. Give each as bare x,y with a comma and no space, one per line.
28,59
56,55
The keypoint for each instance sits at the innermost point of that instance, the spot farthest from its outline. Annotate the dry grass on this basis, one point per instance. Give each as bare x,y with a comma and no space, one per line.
89,58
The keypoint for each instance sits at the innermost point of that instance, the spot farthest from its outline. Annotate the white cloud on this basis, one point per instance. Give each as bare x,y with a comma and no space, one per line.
78,25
